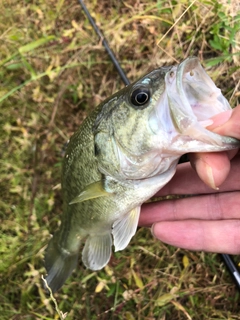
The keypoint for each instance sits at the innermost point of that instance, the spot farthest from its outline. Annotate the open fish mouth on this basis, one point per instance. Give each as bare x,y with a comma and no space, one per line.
193,99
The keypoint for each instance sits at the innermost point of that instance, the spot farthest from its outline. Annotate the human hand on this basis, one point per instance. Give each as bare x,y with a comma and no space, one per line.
209,220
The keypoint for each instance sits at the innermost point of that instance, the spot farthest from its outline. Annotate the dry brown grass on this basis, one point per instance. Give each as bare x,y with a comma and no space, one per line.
54,70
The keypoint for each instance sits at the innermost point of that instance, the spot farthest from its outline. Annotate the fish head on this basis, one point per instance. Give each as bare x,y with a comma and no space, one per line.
189,101
124,140
146,126
185,108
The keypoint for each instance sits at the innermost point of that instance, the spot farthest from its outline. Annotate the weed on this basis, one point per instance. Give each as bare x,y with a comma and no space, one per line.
54,71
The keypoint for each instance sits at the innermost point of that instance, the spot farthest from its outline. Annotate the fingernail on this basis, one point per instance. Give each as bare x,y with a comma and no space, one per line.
210,179
220,119
152,230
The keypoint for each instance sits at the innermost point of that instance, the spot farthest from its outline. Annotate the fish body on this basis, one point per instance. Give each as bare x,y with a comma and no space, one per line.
125,151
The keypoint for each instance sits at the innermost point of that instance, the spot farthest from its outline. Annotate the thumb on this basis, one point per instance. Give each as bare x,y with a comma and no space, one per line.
213,168
227,123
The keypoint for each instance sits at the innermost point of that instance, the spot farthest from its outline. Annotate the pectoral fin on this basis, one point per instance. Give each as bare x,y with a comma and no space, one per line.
93,190
125,228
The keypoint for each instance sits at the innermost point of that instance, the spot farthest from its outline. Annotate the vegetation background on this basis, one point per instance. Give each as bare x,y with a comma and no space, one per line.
53,71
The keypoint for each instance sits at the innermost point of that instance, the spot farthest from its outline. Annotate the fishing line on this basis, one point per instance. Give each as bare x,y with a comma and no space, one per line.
228,261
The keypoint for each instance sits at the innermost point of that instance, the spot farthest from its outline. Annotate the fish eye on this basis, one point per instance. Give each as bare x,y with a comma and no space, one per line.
140,96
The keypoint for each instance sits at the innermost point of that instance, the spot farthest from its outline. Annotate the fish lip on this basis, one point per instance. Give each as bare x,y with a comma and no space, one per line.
176,78
185,108
188,88
191,67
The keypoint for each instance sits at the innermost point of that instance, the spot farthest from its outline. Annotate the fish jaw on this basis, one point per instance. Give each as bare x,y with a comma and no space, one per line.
191,99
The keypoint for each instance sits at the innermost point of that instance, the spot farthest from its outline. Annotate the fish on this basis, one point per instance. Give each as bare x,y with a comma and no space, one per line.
124,152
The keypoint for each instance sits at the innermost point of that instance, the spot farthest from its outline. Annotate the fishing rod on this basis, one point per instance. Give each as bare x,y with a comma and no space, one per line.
105,44
228,261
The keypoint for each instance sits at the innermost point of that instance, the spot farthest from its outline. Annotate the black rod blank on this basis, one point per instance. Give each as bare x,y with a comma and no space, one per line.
105,44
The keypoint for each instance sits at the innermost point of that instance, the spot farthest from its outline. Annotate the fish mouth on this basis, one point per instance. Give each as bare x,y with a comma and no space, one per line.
193,99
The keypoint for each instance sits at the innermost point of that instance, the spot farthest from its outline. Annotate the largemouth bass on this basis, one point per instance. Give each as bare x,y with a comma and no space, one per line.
125,152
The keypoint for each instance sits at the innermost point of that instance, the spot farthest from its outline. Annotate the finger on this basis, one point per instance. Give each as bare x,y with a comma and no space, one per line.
212,168
216,206
186,180
212,236
231,127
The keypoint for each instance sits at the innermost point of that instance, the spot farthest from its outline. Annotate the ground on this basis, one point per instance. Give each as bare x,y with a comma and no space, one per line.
53,72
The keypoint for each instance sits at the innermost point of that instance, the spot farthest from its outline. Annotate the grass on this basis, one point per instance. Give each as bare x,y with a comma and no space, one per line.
53,72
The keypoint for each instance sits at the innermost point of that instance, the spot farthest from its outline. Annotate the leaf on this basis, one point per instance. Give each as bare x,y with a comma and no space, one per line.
180,307
35,44
15,66
185,261
99,287
164,299
129,316
214,61
137,280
